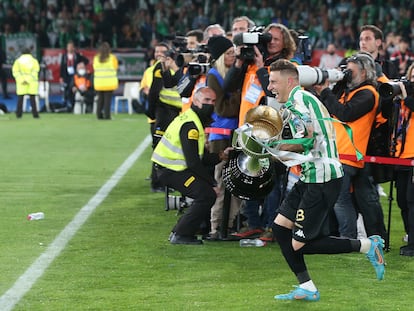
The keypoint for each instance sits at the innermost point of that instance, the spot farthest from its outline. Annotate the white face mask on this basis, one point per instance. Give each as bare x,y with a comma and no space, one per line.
81,72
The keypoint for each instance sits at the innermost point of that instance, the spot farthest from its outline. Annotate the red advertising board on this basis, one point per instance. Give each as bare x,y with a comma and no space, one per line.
131,63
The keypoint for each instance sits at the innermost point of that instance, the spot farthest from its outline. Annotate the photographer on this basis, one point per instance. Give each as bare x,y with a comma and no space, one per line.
194,73
251,70
225,120
404,138
356,106
163,98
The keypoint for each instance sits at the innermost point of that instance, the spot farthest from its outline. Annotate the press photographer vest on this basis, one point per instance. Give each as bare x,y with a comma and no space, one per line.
406,134
169,152
361,129
169,96
252,92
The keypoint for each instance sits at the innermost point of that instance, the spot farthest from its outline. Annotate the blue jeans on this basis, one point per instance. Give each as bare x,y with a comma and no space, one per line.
363,198
344,208
270,205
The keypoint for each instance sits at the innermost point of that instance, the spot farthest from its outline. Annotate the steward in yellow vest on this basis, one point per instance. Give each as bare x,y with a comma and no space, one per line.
182,164
105,66
26,73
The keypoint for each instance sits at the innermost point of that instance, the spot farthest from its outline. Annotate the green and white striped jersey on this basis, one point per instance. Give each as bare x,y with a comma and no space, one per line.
321,145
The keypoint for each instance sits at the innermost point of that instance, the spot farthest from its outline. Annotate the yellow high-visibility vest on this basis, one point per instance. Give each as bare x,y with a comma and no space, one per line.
169,152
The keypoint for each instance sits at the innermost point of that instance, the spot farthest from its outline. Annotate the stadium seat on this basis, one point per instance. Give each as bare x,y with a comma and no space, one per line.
131,92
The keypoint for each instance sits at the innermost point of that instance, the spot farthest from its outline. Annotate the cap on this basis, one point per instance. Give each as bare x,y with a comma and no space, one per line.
218,45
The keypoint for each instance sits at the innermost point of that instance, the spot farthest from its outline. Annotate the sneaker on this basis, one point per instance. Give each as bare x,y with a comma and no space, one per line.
376,255
245,233
267,236
299,294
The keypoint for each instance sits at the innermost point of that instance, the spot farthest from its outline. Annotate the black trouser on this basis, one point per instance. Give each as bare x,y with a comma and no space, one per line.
198,189
103,110
19,109
405,199
164,115
3,78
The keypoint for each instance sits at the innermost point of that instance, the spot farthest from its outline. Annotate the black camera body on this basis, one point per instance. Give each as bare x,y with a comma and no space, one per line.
392,88
195,69
250,39
304,49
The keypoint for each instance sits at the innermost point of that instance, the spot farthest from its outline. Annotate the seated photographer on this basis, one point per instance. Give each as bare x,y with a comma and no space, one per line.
82,89
182,163
356,106
404,140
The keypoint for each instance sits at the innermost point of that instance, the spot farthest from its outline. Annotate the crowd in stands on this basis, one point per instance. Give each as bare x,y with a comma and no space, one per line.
134,23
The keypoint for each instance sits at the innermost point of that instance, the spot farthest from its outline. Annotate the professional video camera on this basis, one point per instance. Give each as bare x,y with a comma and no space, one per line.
195,69
248,40
198,55
309,76
392,88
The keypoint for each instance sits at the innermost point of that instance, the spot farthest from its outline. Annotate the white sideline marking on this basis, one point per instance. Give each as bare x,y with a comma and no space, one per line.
30,276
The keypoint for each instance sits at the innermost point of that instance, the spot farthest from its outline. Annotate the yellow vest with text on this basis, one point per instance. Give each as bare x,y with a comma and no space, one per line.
169,96
105,73
169,152
252,92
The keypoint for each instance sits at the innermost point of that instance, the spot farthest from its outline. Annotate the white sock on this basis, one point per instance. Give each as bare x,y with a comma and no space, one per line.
309,285
365,245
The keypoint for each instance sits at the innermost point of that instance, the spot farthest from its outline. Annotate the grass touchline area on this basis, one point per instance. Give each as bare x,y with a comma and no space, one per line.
120,258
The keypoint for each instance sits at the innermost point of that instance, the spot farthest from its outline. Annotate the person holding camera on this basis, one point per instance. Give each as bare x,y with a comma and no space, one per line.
356,106
403,137
301,225
164,100
254,76
163,97
194,75
182,163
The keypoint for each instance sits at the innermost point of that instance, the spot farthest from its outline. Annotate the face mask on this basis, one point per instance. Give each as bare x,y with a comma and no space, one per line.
204,113
81,72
